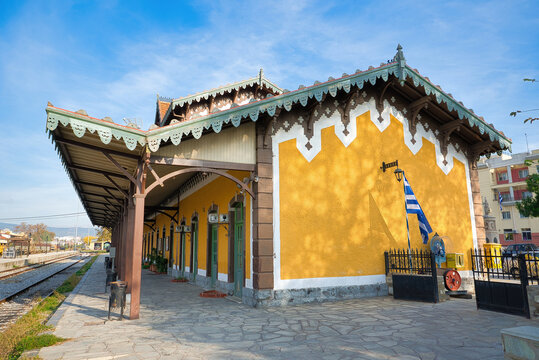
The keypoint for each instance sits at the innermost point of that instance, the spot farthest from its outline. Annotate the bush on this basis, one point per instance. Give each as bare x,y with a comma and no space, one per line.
162,264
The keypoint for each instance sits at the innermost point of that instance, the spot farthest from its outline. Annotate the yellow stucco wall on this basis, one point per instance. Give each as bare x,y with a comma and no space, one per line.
340,212
220,191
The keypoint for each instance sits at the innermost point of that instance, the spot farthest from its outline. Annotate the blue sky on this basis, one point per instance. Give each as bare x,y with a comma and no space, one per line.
111,58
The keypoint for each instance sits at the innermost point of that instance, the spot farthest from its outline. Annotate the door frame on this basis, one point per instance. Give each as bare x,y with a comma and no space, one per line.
238,199
211,249
193,264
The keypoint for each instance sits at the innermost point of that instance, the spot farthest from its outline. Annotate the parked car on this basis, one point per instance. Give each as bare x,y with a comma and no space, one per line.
510,261
515,249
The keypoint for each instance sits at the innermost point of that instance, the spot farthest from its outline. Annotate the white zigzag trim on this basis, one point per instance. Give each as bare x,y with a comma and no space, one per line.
297,132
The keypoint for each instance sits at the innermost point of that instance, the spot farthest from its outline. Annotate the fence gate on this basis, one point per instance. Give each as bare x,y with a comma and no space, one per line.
413,275
501,281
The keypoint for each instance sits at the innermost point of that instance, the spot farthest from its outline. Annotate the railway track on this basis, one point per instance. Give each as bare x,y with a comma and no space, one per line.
16,303
4,274
15,285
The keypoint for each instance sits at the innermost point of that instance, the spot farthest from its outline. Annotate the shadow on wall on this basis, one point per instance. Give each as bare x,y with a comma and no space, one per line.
340,212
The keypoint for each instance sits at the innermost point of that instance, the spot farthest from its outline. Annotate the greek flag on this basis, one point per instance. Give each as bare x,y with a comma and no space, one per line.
413,207
500,200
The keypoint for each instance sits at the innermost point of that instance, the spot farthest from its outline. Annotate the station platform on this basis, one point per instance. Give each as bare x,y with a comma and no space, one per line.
176,323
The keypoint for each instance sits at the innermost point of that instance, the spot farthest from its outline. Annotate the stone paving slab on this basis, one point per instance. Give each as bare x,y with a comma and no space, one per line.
176,323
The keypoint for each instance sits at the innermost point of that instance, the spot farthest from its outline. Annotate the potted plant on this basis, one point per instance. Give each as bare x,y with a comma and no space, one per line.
162,265
153,260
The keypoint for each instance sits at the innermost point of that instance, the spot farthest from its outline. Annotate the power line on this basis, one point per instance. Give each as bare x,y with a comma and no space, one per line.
43,216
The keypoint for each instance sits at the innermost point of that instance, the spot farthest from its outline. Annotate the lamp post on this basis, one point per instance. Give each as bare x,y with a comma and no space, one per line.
399,175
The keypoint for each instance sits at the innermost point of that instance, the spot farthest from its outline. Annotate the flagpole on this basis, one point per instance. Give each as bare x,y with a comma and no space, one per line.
407,225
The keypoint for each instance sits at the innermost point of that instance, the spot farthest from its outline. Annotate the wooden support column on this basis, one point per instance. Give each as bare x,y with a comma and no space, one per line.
263,214
123,254
119,246
136,244
129,243
136,264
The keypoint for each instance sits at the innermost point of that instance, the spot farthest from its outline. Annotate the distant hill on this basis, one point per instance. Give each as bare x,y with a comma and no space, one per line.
59,231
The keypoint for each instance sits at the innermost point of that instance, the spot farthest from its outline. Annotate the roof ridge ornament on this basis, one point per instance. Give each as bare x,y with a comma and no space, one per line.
401,63
260,76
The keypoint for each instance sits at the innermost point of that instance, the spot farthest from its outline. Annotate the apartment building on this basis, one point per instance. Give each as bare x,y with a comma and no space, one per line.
506,175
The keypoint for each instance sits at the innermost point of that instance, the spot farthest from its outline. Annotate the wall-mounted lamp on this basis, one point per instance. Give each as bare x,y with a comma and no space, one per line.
398,174
247,180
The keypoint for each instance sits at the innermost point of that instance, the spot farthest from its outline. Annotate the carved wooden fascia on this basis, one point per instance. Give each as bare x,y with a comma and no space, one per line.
268,132
344,108
415,107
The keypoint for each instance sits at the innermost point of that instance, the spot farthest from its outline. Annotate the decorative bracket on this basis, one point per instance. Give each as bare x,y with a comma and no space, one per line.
445,132
312,113
157,178
269,128
380,99
415,107
173,217
344,108
475,150
148,225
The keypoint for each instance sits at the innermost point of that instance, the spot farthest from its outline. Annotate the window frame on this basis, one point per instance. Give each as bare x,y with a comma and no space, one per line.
526,231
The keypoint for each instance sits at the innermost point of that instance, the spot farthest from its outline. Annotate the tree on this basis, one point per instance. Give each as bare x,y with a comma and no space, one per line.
38,232
530,206
88,239
103,234
531,118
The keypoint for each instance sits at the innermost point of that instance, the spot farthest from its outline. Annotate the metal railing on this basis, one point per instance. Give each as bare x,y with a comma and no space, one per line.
418,262
494,264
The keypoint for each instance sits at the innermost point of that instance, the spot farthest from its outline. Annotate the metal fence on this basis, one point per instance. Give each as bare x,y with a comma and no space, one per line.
418,262
494,264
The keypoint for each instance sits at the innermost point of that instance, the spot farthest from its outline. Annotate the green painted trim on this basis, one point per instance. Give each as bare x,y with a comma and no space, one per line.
195,127
224,89
453,105
175,132
106,131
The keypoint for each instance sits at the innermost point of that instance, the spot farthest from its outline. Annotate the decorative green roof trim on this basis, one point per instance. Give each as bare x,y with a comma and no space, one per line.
195,127
176,132
106,130
453,105
224,89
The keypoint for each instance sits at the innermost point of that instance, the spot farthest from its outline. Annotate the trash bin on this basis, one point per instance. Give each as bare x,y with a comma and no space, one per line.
117,296
493,253
107,260
111,276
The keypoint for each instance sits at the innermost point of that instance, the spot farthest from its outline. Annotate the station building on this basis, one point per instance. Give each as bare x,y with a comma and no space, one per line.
278,196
